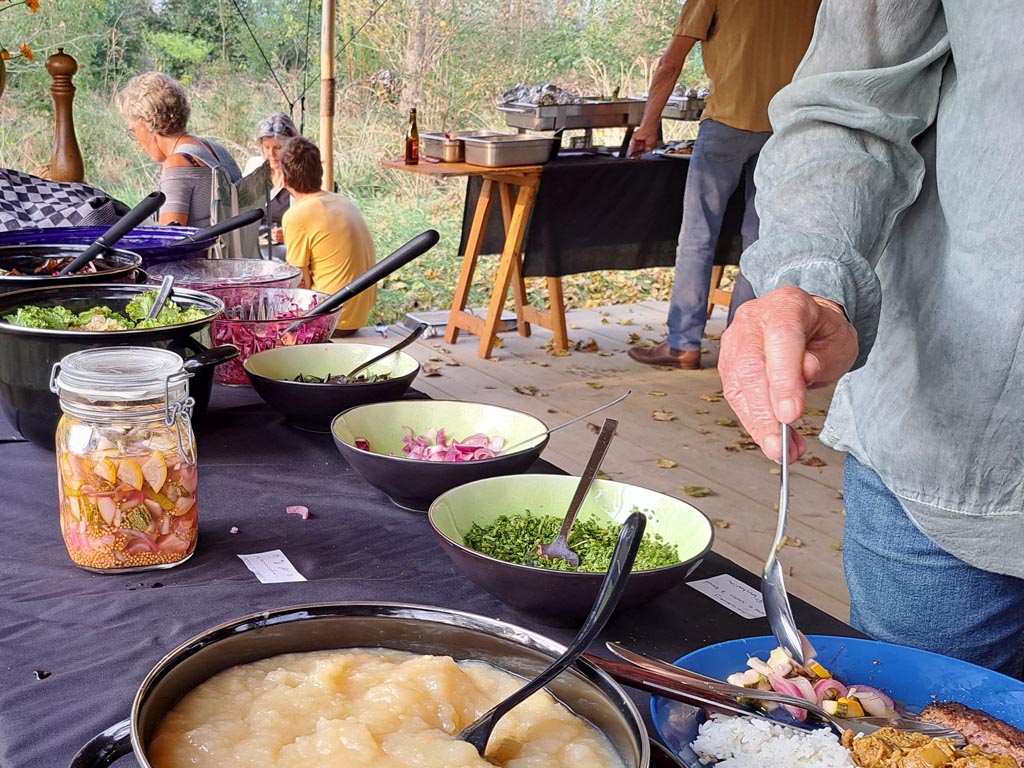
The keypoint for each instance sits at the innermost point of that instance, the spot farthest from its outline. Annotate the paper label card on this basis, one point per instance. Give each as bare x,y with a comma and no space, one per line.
733,594
272,567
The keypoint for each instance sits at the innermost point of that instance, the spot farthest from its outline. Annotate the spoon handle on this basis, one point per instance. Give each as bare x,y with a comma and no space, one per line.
780,528
604,441
479,732
150,204
166,284
416,333
564,424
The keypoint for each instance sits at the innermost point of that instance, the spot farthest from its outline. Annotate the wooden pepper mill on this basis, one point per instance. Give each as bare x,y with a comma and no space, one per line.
66,161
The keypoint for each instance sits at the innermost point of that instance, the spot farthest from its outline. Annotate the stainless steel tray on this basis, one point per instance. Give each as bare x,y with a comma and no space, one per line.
509,149
683,109
448,147
590,113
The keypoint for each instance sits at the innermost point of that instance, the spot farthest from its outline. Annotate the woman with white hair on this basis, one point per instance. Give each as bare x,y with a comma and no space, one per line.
271,134
157,110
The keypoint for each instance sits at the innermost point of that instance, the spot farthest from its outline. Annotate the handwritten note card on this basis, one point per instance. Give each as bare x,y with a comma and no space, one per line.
733,594
272,567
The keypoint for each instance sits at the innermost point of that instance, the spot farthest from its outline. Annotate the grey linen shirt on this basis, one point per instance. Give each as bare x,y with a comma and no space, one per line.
894,185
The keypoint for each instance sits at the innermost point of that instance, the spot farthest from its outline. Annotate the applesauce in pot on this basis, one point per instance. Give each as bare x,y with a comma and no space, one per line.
368,707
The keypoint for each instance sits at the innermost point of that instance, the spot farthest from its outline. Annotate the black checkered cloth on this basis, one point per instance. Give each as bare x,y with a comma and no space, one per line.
28,201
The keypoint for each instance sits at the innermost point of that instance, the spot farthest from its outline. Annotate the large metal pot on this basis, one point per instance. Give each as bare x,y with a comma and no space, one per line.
27,355
584,689
116,266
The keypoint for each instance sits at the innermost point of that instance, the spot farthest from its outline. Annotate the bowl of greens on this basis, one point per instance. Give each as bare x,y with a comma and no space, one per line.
40,326
415,450
305,383
491,530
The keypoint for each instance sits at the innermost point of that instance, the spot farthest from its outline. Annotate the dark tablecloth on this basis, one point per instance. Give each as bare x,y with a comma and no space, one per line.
597,212
99,635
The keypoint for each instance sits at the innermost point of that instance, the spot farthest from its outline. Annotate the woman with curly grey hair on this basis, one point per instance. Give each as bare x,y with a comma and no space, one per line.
156,109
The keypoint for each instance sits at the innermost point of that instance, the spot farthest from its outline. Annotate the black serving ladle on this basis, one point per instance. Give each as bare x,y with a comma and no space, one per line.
478,733
416,247
222,227
416,333
150,204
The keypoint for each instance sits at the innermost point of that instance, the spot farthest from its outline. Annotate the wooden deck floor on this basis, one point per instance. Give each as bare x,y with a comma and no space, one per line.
672,415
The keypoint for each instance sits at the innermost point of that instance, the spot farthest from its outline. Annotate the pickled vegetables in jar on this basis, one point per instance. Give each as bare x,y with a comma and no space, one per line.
126,468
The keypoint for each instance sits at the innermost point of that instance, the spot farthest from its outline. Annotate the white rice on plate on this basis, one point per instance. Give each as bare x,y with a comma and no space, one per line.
750,742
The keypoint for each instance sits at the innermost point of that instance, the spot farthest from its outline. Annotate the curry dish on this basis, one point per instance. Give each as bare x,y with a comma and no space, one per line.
888,748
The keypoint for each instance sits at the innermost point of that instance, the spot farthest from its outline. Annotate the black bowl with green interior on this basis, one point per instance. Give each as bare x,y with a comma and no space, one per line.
412,483
313,406
27,355
556,596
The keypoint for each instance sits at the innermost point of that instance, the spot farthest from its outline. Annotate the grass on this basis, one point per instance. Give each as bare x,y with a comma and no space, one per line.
396,205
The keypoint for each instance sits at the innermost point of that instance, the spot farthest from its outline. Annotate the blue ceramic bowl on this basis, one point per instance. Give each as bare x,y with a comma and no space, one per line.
913,678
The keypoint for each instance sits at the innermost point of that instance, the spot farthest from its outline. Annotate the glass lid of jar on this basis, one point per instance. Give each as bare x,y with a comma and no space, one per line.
122,373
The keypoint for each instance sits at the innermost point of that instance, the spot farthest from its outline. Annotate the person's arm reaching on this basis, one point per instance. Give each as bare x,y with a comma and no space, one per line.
839,169
670,65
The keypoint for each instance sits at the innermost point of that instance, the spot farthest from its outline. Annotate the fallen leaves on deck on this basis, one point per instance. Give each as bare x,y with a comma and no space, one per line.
697,491
661,415
594,384
726,422
717,398
657,393
667,464
526,389
811,411
720,523
430,369
812,461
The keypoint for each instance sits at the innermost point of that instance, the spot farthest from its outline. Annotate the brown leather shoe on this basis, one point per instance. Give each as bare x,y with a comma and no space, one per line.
663,354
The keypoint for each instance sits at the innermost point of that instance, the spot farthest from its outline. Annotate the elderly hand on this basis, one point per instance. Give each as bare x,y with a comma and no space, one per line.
777,347
644,140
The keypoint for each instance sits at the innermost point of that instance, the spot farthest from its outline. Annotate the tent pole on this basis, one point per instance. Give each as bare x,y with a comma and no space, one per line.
327,92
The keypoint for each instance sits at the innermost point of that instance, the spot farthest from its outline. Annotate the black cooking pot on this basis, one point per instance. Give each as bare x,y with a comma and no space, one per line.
115,266
583,688
27,355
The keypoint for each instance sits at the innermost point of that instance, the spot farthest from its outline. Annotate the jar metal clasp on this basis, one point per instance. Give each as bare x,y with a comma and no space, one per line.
179,414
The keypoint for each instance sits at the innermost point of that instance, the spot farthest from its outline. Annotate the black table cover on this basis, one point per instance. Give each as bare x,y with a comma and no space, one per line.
597,212
99,635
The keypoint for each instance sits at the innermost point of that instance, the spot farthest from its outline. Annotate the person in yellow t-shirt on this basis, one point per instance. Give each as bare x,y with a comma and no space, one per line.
325,234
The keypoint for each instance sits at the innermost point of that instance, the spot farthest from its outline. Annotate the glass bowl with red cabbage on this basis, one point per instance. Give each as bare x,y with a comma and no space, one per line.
204,274
241,323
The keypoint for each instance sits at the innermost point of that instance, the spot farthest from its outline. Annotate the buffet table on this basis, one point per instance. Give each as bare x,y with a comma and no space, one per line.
577,213
75,646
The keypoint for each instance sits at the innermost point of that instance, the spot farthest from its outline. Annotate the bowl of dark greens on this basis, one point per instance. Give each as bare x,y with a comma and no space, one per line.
491,530
40,326
307,383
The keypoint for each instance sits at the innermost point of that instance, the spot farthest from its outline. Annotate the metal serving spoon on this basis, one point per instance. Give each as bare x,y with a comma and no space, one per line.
478,733
416,333
164,292
684,680
521,443
773,587
559,546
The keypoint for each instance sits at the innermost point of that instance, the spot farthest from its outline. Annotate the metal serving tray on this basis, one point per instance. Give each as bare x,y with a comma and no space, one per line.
504,150
590,113
448,147
683,109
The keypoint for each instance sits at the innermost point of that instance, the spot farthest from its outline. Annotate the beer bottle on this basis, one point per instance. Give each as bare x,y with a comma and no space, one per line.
412,140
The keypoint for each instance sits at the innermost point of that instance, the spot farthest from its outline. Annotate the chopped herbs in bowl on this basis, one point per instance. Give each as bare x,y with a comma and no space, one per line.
516,539
491,530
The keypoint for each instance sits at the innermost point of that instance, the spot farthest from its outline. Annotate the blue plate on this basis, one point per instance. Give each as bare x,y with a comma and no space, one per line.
913,678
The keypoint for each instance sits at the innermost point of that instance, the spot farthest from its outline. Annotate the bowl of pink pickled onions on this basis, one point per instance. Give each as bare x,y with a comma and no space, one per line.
415,450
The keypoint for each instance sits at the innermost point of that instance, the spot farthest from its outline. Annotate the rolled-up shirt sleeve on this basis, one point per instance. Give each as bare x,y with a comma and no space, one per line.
842,165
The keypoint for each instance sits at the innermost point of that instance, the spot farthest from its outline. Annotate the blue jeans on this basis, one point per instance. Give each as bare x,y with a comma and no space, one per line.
904,589
722,156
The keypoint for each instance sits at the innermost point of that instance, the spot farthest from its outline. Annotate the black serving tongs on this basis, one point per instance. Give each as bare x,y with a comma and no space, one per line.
149,205
222,227
415,248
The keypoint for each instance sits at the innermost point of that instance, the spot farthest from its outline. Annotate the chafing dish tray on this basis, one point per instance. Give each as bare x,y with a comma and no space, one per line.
589,113
509,149
448,147
683,108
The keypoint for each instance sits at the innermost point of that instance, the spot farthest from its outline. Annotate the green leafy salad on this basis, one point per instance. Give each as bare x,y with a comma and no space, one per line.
515,539
103,318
